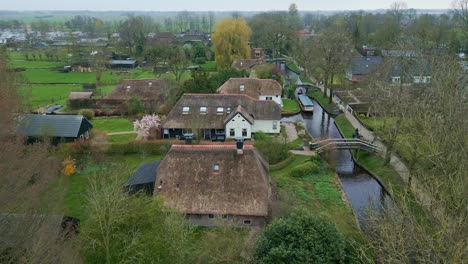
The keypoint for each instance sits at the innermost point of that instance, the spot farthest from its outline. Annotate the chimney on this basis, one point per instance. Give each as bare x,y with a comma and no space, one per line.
240,146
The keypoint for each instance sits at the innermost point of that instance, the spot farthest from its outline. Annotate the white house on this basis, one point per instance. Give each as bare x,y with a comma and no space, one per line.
221,116
262,89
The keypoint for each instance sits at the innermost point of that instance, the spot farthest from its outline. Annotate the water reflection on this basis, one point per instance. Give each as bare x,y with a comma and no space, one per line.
362,189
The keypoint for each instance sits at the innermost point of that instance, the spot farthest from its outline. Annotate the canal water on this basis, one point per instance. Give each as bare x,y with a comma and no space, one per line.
363,190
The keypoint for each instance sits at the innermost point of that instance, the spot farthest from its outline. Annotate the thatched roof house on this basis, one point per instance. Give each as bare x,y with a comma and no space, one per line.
209,182
80,95
222,112
145,89
262,89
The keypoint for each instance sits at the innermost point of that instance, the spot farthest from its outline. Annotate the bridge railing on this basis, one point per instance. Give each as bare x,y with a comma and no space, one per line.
343,143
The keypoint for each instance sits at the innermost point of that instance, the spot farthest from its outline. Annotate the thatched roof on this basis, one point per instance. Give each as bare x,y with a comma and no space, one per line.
187,181
254,109
252,87
146,89
245,64
80,95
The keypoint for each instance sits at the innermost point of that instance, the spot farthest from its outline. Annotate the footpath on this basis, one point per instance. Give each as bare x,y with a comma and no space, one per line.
395,161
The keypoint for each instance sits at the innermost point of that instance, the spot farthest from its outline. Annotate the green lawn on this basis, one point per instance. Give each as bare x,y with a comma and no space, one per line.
346,128
36,64
112,124
293,67
320,193
54,76
209,66
43,95
78,184
324,101
290,106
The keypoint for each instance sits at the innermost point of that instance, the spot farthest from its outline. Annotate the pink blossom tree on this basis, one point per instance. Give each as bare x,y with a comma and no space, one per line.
148,126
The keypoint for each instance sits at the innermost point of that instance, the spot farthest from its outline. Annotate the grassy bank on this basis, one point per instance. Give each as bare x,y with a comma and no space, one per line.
290,106
318,192
322,100
376,165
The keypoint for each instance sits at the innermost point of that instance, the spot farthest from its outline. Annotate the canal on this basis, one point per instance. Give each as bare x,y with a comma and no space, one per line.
363,190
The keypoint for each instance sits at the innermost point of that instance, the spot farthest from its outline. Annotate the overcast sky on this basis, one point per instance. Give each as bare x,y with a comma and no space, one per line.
215,5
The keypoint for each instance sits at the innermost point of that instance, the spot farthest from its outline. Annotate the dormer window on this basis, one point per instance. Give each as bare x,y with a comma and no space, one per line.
202,109
220,110
185,110
242,87
228,110
216,168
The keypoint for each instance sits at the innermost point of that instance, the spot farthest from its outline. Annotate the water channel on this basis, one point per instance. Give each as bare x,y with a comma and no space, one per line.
363,190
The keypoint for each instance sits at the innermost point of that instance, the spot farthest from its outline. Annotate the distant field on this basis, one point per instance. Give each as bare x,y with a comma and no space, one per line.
36,64
42,95
53,76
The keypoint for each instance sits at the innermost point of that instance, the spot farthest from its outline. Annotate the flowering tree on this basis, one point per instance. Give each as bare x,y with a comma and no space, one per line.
147,126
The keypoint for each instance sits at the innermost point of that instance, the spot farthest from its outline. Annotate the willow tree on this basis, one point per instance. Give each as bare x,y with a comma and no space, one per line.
230,41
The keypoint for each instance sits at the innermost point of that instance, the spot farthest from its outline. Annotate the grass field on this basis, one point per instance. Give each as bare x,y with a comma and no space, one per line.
36,64
320,193
77,185
43,95
112,124
290,106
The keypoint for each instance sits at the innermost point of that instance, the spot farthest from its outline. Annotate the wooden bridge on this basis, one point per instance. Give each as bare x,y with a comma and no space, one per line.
343,143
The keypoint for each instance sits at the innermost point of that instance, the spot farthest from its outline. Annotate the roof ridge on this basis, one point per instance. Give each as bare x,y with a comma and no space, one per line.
220,95
213,147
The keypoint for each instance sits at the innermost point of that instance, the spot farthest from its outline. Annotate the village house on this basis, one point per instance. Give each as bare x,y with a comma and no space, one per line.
65,128
362,68
221,116
216,184
261,89
410,72
161,38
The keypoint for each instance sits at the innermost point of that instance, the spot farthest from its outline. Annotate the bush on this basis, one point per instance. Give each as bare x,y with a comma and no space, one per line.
273,151
88,113
301,238
283,164
305,169
135,106
260,136
291,92
200,60
150,148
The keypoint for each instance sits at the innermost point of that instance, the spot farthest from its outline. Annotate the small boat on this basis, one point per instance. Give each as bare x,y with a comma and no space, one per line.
305,103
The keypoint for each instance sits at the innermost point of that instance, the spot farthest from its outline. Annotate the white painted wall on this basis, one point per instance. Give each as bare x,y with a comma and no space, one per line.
238,123
266,126
276,98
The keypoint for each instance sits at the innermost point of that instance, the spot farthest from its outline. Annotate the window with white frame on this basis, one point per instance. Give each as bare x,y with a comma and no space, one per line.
220,110
247,222
202,109
242,87
396,79
185,110
228,110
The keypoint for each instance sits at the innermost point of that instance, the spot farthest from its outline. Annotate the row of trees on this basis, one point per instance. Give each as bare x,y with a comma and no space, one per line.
426,125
